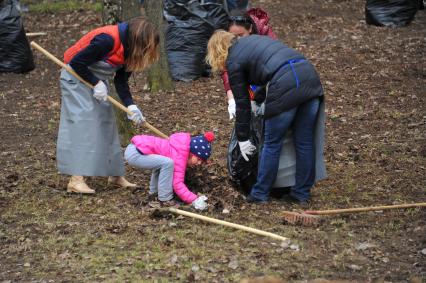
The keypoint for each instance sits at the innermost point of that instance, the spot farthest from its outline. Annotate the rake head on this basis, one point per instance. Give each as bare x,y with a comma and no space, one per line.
294,217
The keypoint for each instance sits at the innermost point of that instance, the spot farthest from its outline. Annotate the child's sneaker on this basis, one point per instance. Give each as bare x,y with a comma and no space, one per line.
169,203
152,197
154,204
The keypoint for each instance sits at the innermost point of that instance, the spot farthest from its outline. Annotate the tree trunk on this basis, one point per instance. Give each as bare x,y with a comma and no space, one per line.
158,74
113,12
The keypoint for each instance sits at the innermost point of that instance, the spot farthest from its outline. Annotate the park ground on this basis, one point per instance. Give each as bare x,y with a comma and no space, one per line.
375,83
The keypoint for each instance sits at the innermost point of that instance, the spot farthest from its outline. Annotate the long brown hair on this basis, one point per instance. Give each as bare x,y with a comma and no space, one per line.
217,49
143,45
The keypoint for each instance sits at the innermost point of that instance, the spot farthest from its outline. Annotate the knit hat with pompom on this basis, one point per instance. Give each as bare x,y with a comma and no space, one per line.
201,145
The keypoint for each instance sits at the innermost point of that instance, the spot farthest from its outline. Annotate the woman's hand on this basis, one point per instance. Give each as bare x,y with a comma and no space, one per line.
231,108
137,116
258,110
100,91
231,104
246,148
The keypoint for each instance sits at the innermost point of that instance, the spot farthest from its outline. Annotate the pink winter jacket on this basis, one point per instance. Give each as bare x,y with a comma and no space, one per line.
176,148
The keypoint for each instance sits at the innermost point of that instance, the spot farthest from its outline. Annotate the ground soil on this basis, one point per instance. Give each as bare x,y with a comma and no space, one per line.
374,80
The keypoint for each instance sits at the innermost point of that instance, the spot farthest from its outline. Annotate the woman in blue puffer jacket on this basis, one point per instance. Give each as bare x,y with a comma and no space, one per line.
293,97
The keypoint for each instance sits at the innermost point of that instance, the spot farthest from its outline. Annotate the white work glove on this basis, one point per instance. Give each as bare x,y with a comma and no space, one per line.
258,110
246,148
100,91
137,116
231,108
200,203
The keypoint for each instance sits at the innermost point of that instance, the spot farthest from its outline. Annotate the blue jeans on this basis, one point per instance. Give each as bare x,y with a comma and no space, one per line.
302,120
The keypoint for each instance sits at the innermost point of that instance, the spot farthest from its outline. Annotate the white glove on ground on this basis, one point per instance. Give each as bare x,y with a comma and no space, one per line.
200,203
100,91
246,148
231,108
137,116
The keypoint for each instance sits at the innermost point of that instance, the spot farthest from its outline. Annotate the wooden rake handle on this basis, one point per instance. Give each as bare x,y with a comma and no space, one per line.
364,209
228,224
110,99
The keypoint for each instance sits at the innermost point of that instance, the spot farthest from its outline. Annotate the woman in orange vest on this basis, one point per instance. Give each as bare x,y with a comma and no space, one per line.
88,142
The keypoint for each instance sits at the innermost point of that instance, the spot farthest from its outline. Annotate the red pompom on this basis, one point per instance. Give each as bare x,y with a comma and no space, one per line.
209,136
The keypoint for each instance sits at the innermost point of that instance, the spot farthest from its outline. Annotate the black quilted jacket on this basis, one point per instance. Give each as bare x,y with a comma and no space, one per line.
260,60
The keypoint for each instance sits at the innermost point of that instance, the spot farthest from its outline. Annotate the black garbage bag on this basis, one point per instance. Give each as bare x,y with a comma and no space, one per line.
15,52
392,13
190,26
244,173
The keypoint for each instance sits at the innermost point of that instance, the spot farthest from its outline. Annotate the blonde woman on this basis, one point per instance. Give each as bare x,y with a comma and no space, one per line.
88,142
293,98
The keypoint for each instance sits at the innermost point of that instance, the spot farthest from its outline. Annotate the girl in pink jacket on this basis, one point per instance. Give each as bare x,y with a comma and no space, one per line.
168,159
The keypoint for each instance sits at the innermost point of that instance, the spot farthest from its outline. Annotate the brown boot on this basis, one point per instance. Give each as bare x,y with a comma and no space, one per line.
77,185
121,182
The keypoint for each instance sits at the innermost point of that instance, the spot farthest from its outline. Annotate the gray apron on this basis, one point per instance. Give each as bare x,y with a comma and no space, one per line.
286,176
88,142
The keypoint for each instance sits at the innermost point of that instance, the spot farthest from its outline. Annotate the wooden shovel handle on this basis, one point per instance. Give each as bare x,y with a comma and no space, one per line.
229,224
29,34
364,209
110,99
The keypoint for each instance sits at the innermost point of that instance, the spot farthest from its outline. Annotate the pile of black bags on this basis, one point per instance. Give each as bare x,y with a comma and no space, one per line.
15,52
392,13
190,25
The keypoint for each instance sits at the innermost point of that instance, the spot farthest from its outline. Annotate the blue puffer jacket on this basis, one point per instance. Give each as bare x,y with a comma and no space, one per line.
259,60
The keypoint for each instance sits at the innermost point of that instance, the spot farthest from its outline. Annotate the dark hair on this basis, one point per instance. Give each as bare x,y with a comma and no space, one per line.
241,18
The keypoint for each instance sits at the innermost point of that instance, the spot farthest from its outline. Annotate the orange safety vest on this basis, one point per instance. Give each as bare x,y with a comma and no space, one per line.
115,57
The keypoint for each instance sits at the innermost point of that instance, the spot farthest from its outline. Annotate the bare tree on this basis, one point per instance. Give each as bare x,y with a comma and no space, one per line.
158,75
114,11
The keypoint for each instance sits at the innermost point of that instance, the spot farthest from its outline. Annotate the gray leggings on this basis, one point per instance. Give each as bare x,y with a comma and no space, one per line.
162,171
